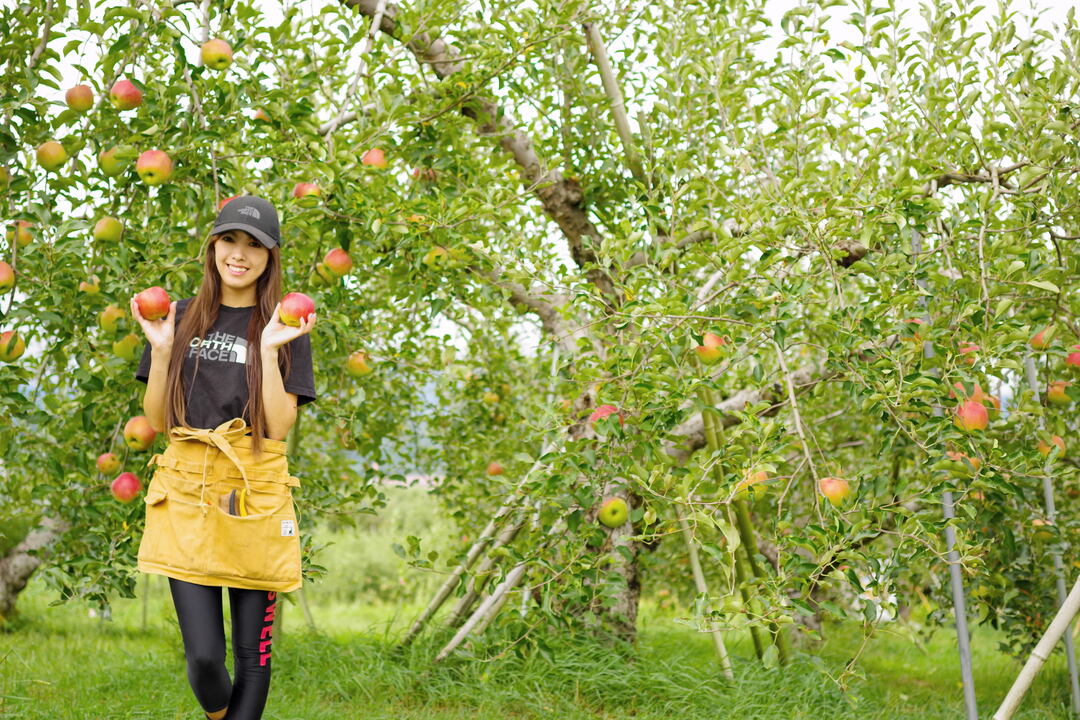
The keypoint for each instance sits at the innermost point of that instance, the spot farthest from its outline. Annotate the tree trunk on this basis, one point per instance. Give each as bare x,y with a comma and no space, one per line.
22,560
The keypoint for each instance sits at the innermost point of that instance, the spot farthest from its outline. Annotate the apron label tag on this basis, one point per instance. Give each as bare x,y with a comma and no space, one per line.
287,528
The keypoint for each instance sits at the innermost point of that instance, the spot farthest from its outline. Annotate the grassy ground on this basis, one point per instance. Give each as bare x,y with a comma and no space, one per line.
61,664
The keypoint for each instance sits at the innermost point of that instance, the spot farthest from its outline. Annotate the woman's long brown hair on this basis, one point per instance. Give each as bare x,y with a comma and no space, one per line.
199,317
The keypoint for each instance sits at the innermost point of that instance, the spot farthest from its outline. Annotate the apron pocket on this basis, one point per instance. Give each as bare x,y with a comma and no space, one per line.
262,545
175,532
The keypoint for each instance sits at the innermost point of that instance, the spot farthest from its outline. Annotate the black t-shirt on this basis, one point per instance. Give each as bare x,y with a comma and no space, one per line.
221,391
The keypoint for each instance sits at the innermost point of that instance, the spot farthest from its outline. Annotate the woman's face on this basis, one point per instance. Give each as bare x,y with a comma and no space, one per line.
238,249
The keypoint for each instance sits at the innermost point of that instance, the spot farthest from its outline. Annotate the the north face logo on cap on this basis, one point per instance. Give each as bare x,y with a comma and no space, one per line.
250,211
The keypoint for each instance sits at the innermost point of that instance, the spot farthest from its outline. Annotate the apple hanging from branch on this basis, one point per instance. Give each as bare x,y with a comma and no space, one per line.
126,487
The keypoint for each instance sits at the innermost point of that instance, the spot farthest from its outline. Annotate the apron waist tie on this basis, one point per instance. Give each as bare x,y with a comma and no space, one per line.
218,437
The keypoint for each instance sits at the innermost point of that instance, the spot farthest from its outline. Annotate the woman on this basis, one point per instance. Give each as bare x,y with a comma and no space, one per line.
224,375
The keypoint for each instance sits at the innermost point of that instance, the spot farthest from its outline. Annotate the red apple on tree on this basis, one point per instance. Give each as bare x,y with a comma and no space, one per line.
108,229
21,233
374,157
294,307
426,174
126,486
603,411
1045,447
711,348
124,95
225,202
79,98
154,167
967,352
1073,358
1042,339
11,346
494,468
307,194
139,434
750,478
153,303
90,285
261,116
216,54
1056,394
971,415
51,155
357,365
7,277
338,262
108,463
834,489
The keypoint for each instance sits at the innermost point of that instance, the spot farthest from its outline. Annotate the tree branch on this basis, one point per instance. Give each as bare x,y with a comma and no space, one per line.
561,197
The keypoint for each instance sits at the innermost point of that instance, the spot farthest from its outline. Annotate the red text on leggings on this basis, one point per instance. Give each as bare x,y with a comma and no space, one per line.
268,629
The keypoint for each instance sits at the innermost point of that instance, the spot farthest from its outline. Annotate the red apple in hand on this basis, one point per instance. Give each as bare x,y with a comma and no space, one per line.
108,463
153,303
126,486
138,433
294,307
124,95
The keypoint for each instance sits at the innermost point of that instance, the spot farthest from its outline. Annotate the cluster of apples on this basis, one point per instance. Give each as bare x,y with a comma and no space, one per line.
1056,390
139,434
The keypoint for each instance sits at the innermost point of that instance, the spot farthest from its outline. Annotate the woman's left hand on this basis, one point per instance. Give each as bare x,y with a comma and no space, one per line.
277,333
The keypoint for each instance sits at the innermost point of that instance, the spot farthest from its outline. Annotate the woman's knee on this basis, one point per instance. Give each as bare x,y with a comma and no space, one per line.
206,664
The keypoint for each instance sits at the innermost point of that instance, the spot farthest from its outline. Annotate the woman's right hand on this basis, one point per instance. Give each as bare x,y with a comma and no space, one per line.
158,332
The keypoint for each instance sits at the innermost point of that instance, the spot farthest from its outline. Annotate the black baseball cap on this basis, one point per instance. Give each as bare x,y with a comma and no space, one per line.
254,215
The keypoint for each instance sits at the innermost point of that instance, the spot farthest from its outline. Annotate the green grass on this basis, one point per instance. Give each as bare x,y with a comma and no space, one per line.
60,664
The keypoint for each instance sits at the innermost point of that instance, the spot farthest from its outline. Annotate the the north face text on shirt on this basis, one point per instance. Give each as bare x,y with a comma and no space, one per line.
221,346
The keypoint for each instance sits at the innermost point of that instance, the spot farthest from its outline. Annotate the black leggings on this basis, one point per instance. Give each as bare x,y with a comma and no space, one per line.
202,625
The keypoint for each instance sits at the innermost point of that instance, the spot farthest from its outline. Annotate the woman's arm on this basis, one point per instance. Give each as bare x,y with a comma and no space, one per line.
154,398
279,406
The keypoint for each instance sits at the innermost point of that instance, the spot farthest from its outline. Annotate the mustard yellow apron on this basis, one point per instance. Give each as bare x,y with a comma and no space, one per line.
188,534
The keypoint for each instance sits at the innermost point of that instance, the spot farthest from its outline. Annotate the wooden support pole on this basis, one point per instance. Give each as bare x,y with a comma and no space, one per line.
1055,553
956,580
615,97
742,570
703,589
1058,626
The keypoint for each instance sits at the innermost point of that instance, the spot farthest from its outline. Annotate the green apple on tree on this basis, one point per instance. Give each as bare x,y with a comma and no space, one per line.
613,512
